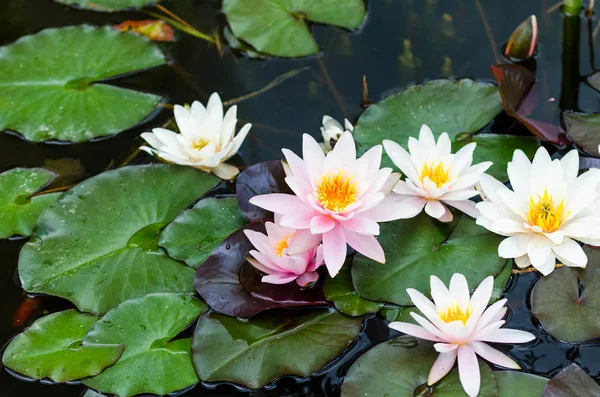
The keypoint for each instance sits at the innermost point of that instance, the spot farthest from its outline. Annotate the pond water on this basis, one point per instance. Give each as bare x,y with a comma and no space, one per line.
448,38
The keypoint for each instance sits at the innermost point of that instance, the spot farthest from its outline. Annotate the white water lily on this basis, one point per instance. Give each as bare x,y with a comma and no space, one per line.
460,325
332,131
435,177
548,209
206,141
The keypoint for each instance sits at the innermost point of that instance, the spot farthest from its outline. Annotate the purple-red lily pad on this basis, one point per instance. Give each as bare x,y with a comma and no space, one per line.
571,381
583,130
230,285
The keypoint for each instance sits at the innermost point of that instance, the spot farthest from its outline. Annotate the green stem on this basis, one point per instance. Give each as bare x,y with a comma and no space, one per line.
177,25
572,7
569,96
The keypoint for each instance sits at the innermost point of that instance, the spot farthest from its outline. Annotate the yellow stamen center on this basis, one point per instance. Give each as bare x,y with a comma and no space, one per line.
545,214
282,244
336,190
200,144
455,313
437,173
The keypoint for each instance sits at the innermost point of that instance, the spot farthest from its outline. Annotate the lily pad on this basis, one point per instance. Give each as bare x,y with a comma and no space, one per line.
594,81
52,86
420,247
230,285
97,245
108,5
52,348
279,27
92,393
151,362
195,233
340,291
255,352
399,368
583,130
565,311
514,383
18,210
572,381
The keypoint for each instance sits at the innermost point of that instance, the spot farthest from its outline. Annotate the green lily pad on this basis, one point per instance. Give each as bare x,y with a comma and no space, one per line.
51,83
452,106
583,130
108,5
279,27
255,352
151,362
92,393
563,310
514,383
18,210
52,348
399,368
420,247
97,245
340,291
194,235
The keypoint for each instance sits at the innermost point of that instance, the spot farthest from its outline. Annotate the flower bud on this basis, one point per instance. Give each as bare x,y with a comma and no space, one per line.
523,41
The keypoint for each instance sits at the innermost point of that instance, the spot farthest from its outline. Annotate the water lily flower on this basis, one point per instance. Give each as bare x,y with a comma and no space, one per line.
548,209
332,131
460,325
435,177
206,141
338,200
271,257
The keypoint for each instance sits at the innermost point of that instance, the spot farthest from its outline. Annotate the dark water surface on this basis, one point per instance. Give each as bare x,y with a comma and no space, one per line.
448,37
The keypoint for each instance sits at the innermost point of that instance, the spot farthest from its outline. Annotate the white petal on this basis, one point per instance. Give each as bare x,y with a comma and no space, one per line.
494,356
468,370
401,158
442,365
570,253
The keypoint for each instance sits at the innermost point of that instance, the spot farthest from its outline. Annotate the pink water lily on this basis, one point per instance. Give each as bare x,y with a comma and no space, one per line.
460,325
338,200
271,257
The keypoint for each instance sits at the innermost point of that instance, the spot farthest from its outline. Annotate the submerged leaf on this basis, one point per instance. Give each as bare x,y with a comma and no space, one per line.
584,130
151,362
572,381
108,5
230,285
52,348
97,245
255,352
18,209
52,86
155,30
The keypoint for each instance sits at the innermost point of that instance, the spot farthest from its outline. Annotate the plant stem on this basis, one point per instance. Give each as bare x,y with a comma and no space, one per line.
569,96
573,7
187,28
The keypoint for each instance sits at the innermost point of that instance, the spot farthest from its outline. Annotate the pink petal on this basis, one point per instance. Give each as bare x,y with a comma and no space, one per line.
466,206
442,365
259,266
435,209
481,297
298,220
301,187
344,151
321,224
468,370
334,250
447,217
279,278
307,278
505,335
428,326
459,289
362,224
413,330
278,202
296,164
313,155
303,241
366,245
490,315
494,356
395,207
445,347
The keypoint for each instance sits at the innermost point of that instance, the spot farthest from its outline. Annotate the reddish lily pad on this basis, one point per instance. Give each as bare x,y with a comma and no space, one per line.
572,381
583,130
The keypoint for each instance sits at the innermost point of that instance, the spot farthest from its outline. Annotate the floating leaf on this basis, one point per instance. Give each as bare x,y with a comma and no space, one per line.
255,352
195,233
458,107
279,28
155,30
500,281
399,368
18,210
420,247
262,178
97,246
340,291
92,393
51,348
583,130
563,310
572,382
594,81
108,5
151,362
51,83
521,384
218,281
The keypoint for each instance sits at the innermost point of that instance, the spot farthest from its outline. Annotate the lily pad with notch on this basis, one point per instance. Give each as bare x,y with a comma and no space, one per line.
230,285
515,383
572,381
97,245
19,210
52,348
52,83
152,362
279,27
255,352
108,5
583,130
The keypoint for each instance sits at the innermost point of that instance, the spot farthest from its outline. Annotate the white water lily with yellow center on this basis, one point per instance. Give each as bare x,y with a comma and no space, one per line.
460,325
436,178
206,139
332,131
549,208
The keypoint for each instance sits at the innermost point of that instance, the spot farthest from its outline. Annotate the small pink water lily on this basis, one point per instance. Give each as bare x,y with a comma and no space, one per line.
435,177
273,259
460,325
338,200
